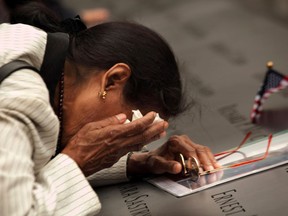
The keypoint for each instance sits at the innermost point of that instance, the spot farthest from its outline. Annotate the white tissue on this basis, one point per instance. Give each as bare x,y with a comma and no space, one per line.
137,114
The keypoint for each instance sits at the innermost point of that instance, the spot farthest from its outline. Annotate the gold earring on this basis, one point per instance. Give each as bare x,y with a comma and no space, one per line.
103,95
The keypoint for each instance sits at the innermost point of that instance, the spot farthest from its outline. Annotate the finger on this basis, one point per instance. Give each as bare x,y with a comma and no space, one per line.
160,165
113,120
112,136
152,133
183,145
213,160
204,158
190,149
140,147
139,125
158,136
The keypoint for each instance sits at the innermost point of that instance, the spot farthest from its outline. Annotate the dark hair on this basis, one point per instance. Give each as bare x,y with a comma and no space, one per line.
37,14
155,80
12,4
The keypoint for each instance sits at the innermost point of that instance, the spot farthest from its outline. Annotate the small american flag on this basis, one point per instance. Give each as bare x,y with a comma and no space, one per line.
273,82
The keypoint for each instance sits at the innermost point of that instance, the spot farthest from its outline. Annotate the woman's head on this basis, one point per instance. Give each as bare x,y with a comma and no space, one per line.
153,81
131,63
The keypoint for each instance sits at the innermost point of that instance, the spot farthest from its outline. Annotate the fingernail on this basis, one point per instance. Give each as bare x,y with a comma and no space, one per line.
177,168
218,165
121,117
210,167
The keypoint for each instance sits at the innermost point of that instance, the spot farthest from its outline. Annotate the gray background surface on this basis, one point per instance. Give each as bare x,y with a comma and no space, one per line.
222,47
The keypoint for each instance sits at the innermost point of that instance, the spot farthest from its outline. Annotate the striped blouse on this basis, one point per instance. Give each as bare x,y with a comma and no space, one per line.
31,183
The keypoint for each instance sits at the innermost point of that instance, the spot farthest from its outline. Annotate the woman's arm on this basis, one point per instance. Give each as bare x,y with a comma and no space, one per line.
28,131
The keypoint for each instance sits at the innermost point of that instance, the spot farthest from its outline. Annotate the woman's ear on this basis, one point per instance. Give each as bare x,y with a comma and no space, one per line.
116,76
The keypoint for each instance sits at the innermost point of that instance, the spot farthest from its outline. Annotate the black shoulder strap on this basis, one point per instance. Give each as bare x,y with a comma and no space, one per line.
54,60
13,66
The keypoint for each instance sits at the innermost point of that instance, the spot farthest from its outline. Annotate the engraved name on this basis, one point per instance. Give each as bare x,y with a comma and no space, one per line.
227,203
234,117
228,53
134,200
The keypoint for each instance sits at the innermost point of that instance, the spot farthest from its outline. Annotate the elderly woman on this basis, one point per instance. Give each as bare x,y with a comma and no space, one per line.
92,81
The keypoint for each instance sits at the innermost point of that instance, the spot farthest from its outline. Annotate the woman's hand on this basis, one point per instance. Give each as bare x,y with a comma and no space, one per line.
164,159
99,145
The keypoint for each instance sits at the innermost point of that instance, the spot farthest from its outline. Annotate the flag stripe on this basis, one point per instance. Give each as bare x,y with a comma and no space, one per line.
273,82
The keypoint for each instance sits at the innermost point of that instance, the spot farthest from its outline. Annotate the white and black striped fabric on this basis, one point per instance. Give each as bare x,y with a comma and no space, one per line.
31,184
